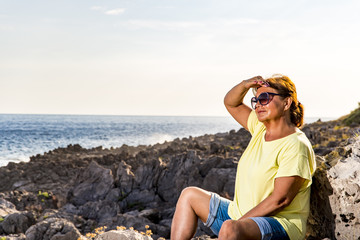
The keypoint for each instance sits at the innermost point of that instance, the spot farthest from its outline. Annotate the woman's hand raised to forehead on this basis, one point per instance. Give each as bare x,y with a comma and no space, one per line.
255,82
234,99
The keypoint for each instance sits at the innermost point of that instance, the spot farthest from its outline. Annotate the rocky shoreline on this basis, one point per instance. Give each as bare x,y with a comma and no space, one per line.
71,192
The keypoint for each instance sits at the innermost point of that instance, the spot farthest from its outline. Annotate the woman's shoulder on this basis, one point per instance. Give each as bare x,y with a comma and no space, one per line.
302,138
297,141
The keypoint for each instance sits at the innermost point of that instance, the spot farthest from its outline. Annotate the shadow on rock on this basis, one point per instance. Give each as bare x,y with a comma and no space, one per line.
321,222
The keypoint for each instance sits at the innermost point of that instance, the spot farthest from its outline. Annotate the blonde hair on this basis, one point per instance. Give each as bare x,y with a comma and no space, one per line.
287,88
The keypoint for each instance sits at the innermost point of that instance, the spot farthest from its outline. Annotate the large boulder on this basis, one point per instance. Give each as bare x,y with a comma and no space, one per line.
335,198
92,185
53,229
182,171
220,180
17,222
345,200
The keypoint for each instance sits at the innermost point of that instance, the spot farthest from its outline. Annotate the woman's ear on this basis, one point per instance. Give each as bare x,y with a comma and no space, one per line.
287,103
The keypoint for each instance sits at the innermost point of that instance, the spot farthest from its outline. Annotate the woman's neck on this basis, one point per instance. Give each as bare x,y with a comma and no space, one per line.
278,128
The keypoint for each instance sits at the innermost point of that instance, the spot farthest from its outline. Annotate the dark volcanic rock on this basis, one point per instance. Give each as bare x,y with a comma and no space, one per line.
321,220
93,184
54,229
17,222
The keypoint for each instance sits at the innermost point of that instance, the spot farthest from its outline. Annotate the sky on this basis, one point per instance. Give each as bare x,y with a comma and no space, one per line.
167,57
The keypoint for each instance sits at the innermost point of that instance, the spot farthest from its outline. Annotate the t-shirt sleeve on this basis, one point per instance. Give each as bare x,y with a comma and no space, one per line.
252,122
296,160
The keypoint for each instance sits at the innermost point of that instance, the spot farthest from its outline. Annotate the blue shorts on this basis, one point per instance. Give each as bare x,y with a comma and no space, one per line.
218,214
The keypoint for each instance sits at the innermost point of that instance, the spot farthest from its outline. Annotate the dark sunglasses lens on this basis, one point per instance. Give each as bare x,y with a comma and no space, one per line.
263,98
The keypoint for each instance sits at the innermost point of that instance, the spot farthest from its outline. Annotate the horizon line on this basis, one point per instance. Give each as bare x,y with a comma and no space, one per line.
142,115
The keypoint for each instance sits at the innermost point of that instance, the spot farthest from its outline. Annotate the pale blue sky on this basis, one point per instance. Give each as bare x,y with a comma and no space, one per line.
167,57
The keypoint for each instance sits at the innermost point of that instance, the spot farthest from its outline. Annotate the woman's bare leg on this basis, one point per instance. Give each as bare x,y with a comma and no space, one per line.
192,204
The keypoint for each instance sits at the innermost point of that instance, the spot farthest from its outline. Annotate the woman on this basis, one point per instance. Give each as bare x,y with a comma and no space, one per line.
274,174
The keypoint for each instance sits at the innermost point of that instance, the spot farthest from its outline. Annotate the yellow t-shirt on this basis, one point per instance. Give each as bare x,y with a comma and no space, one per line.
261,163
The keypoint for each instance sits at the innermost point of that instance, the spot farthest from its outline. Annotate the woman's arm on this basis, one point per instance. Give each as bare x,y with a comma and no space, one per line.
285,190
234,99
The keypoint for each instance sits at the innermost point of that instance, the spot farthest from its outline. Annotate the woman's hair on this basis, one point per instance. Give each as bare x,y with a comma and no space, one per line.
286,87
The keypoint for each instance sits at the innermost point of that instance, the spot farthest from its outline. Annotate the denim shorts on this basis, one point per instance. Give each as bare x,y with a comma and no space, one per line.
218,214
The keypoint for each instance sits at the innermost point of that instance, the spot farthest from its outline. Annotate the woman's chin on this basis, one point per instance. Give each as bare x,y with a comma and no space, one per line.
262,116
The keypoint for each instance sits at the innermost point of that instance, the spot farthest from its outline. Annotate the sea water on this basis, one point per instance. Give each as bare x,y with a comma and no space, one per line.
25,135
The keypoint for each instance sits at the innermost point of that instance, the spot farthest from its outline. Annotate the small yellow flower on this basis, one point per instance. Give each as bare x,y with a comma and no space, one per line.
146,226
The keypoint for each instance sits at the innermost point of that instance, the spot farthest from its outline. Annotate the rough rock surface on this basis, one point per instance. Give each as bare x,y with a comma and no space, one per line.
17,222
53,229
122,235
345,181
69,192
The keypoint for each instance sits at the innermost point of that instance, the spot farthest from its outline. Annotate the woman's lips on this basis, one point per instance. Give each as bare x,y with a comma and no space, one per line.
260,111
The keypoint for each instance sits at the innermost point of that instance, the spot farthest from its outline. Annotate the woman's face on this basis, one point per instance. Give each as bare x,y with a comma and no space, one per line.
274,109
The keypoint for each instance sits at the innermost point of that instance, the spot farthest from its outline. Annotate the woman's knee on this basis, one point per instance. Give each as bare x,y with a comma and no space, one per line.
228,228
233,229
194,196
188,192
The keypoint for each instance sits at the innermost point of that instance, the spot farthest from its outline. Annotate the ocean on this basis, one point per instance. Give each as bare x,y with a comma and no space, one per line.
25,135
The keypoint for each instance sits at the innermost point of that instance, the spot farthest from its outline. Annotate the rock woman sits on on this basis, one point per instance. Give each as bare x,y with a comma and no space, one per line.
274,174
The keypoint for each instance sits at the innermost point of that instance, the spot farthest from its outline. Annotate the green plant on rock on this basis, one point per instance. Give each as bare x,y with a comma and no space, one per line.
44,194
2,238
1,219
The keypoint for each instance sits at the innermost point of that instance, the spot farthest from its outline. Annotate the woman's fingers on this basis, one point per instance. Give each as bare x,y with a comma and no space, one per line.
256,82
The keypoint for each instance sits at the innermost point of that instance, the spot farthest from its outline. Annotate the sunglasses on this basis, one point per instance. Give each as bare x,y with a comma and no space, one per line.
264,99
